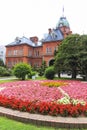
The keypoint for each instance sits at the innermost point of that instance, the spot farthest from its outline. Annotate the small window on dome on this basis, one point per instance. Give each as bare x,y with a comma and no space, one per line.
60,24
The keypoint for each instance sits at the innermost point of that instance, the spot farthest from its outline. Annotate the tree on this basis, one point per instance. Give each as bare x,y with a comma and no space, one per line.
20,70
1,62
42,68
67,56
58,64
82,56
49,72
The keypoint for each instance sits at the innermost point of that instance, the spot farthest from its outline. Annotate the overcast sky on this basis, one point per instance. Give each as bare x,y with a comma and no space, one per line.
34,17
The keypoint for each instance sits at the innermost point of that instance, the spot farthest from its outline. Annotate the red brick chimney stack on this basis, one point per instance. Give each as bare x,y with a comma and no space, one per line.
34,39
49,30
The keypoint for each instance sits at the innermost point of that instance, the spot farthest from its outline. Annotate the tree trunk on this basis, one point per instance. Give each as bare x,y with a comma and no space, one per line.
59,74
74,74
23,77
85,78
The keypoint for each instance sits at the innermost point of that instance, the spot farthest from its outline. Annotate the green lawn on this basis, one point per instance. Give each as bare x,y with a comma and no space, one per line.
4,81
7,124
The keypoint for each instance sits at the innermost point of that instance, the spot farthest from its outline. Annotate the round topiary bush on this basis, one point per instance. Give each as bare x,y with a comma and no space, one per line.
21,70
49,72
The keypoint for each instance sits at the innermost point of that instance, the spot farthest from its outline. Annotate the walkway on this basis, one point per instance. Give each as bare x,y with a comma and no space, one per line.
58,122
8,78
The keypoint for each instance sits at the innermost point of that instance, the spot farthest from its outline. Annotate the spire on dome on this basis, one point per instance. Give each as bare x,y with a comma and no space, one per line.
63,11
63,20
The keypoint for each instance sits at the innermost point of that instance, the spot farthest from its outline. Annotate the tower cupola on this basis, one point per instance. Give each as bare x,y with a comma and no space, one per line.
64,26
63,22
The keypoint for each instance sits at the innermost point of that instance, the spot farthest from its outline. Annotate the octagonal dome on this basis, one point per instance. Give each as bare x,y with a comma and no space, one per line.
62,22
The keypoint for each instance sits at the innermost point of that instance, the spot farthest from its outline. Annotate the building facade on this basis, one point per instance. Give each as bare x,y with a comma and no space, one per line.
32,51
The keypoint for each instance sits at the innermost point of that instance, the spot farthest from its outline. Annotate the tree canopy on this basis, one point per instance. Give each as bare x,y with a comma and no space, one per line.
82,55
66,58
21,70
72,55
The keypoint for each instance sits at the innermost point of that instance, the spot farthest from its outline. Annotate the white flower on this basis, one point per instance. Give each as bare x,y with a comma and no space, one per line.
64,100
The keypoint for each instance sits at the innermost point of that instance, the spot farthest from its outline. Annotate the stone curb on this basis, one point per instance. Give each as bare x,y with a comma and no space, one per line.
44,120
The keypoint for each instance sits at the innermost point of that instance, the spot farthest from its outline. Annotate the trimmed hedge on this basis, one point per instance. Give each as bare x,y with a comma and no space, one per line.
49,72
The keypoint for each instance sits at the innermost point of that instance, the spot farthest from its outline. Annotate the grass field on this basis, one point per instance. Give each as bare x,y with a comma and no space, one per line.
7,124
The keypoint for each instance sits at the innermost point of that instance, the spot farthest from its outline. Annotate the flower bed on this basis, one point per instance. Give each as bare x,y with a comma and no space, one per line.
30,96
30,91
76,90
54,83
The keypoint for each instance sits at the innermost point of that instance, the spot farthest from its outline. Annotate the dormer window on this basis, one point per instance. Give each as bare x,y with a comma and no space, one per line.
54,35
18,40
60,24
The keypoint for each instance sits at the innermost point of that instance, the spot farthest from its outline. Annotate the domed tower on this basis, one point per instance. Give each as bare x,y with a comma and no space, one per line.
63,25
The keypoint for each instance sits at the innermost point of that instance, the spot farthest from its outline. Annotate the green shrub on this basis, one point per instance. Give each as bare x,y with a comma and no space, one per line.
20,70
5,72
42,68
31,74
1,63
49,73
2,70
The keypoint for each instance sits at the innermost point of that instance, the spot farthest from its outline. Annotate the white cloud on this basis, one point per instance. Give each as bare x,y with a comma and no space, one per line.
34,17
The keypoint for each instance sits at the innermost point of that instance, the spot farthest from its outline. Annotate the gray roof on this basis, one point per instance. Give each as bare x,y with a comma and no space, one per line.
24,40
55,35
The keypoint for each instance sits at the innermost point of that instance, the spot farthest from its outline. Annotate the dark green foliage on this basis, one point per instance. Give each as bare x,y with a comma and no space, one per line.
72,56
1,62
55,52
42,68
51,63
21,70
82,56
50,72
67,57
32,73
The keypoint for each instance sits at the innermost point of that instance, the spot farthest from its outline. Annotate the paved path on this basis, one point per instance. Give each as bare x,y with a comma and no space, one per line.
7,78
69,76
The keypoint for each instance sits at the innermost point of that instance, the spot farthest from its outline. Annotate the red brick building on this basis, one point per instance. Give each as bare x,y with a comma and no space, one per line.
33,51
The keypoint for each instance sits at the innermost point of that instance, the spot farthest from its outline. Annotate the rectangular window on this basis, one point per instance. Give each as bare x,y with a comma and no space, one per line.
49,50
36,53
9,52
20,52
15,52
30,53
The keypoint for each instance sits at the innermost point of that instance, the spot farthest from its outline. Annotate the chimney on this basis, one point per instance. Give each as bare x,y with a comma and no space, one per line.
49,30
34,39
